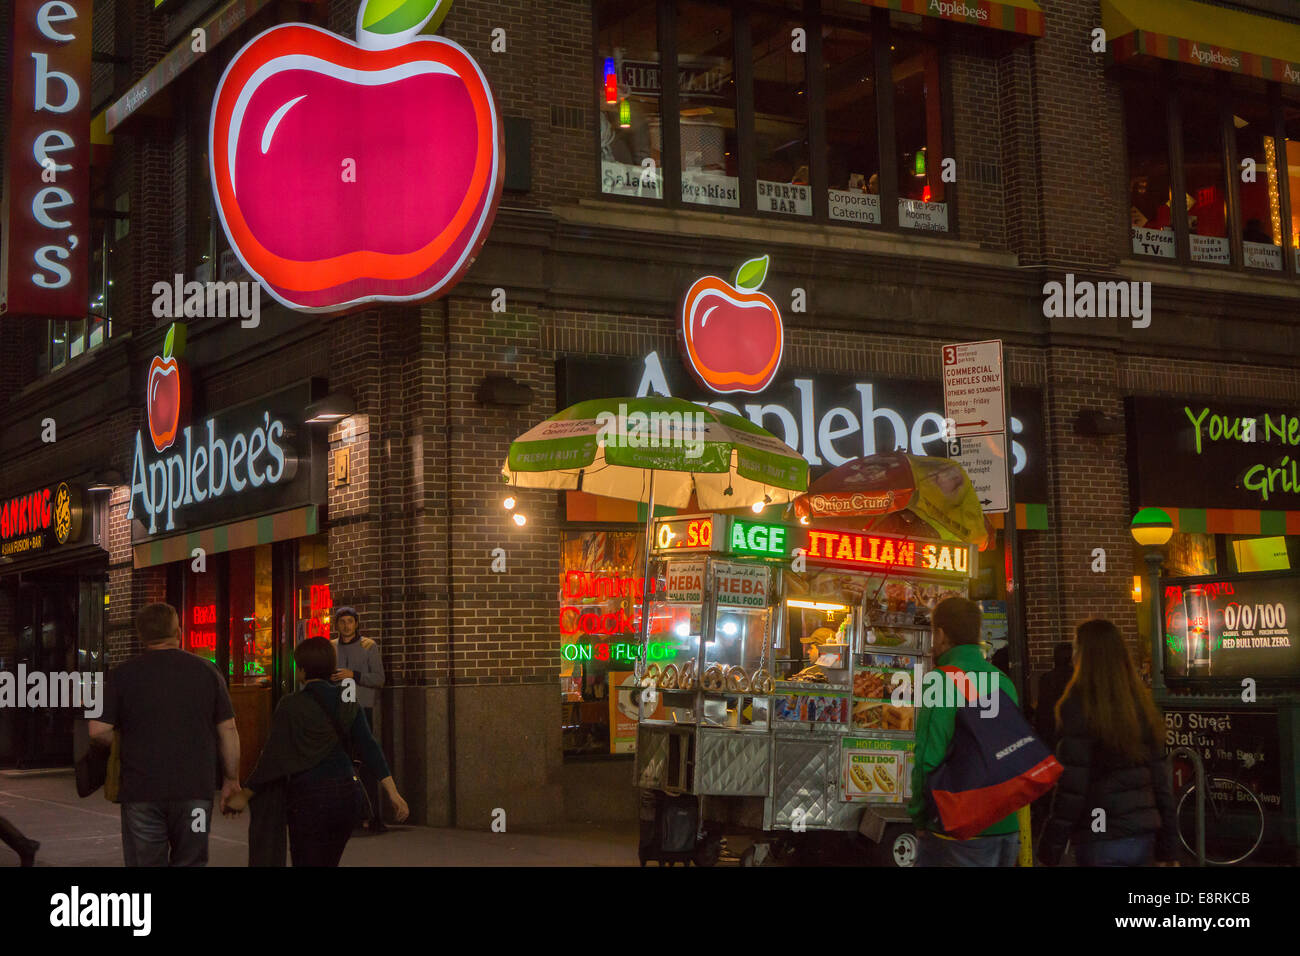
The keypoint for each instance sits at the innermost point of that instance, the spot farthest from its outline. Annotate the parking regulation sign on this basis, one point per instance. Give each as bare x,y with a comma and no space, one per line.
974,388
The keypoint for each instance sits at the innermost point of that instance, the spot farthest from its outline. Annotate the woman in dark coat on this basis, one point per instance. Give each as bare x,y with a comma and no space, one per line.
1114,801
305,778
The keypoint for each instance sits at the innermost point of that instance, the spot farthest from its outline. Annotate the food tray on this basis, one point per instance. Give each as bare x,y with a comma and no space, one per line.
783,686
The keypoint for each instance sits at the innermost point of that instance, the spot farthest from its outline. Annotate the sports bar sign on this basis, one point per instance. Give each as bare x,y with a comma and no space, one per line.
45,210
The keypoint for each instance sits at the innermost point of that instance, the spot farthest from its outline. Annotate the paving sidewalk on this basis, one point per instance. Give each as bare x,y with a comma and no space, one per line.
76,832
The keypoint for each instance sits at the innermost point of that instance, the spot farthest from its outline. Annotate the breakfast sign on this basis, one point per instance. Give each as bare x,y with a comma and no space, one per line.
352,172
45,209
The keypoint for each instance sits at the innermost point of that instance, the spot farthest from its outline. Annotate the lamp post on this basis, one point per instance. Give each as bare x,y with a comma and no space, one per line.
1152,528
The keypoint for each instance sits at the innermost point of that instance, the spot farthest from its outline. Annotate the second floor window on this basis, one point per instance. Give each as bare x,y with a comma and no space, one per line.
774,110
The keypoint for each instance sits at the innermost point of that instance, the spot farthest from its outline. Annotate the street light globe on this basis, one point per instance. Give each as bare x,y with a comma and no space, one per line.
757,507
1152,527
519,519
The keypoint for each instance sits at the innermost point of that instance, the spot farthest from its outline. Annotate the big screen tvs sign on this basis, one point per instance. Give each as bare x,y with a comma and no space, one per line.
45,209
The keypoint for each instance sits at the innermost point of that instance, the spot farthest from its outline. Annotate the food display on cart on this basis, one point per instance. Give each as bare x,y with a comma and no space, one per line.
787,702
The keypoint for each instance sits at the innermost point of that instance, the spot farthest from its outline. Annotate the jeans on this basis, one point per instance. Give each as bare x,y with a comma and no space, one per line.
1000,850
1126,851
166,832
370,781
322,815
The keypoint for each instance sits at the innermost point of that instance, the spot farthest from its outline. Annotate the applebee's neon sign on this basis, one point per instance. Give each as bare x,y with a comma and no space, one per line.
731,334
347,173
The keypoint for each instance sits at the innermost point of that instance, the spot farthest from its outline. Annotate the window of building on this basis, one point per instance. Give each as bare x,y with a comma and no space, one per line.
631,130
599,612
772,102
1148,169
1259,207
781,148
1291,154
706,96
1203,178
852,140
918,126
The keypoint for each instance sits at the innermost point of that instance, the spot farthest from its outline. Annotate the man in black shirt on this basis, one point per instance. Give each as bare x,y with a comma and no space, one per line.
174,715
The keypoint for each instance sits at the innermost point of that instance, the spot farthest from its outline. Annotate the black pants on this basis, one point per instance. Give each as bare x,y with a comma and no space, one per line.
13,837
166,832
370,781
321,817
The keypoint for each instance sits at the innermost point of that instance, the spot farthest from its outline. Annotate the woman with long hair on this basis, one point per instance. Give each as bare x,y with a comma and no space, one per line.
305,780
1115,800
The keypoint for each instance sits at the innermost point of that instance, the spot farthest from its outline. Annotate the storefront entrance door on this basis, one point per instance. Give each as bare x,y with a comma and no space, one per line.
48,626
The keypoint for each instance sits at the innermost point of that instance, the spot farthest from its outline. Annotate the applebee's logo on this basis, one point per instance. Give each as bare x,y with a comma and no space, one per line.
731,334
347,173
166,395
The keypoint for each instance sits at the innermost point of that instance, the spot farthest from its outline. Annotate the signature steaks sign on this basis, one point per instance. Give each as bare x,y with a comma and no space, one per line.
45,210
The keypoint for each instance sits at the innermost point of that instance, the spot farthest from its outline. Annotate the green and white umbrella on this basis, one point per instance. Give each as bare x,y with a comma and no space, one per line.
657,450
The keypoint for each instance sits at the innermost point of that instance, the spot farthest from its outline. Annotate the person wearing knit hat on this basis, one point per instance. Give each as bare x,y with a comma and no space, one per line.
359,660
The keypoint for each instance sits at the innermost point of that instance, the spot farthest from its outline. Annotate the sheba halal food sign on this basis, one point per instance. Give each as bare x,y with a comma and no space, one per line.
237,463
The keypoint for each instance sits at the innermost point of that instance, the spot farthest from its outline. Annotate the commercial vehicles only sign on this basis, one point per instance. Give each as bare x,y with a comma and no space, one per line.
973,388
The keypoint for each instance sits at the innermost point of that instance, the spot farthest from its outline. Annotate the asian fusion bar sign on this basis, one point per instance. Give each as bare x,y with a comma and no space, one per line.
45,211
40,520
353,172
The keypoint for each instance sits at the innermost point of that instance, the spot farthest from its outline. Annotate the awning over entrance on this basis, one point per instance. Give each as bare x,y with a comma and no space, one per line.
1234,521
297,523
1186,31
1015,16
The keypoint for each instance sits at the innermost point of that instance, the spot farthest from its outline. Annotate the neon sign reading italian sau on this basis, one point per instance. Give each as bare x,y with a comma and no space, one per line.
850,549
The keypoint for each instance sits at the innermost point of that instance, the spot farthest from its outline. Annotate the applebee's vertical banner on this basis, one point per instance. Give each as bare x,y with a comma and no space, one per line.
353,172
45,211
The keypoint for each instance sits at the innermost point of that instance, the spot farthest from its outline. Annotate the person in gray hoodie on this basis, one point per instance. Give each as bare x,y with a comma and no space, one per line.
359,660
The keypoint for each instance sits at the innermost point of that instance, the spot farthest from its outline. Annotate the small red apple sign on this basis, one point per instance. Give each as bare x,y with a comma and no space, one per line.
354,172
167,395
731,334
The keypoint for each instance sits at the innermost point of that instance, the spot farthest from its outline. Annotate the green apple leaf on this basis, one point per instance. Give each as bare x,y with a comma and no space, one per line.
174,343
750,276
387,23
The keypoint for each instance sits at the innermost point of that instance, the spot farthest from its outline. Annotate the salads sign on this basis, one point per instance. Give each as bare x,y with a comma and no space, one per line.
45,210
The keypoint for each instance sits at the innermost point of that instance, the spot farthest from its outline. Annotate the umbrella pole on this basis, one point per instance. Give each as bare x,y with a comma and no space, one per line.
645,581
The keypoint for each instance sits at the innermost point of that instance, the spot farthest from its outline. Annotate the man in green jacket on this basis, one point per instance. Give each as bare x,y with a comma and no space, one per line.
956,643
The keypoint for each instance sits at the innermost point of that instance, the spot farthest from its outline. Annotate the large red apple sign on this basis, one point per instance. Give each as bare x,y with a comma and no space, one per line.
731,334
347,173
165,399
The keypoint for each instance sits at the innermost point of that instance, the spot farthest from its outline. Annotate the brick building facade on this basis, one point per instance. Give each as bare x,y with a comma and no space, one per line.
470,716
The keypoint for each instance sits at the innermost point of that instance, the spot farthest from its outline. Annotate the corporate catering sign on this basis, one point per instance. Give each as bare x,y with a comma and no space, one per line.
240,462
45,209
829,419
352,172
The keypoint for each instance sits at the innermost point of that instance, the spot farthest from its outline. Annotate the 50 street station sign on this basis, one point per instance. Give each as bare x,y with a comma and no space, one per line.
45,209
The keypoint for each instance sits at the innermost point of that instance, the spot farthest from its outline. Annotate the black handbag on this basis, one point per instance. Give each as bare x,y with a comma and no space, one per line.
91,760
361,800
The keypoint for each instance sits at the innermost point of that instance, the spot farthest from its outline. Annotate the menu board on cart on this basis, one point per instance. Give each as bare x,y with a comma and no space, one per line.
742,585
877,771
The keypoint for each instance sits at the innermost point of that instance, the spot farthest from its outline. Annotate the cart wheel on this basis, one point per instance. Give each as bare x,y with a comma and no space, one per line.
898,847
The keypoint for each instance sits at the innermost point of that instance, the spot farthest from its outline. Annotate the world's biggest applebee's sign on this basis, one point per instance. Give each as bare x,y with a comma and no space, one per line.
45,209
346,173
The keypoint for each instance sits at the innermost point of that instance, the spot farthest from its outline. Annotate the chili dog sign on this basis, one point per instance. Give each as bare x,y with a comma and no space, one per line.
44,209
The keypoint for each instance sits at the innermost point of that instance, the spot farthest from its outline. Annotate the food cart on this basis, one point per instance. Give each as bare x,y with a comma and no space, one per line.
767,710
